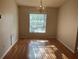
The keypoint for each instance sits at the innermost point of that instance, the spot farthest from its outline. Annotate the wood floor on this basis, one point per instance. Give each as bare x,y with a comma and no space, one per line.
39,49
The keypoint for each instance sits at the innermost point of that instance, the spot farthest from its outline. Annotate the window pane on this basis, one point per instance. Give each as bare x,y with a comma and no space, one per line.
38,23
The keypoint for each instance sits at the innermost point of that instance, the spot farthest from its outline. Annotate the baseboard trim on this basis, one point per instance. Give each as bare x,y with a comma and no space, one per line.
36,37
8,50
66,46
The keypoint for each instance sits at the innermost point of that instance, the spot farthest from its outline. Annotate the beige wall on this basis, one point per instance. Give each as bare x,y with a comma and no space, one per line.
24,22
8,25
67,24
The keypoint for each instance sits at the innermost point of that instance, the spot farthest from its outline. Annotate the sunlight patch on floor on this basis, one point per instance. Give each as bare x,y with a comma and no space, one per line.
39,50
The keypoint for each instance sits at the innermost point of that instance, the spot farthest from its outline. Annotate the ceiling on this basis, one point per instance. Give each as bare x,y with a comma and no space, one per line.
36,3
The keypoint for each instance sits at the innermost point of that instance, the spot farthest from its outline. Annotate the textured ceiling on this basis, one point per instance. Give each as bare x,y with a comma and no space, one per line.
49,3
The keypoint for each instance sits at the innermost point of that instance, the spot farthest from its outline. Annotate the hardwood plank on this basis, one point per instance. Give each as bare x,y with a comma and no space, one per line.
39,49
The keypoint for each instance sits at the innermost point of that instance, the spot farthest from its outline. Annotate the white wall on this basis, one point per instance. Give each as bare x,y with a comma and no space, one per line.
67,24
8,25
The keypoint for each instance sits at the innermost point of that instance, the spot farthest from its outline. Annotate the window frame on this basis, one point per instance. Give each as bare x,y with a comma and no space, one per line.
45,24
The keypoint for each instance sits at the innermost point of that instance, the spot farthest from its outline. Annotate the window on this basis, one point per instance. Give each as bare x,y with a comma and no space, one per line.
37,23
